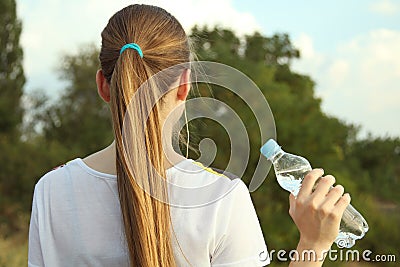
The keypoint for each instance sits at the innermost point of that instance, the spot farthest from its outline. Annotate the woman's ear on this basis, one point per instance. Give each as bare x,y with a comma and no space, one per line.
103,88
184,85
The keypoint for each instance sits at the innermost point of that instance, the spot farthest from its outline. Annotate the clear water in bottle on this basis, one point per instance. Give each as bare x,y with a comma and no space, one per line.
290,181
290,171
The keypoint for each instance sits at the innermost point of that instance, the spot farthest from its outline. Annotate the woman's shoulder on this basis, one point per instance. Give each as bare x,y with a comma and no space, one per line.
57,177
192,184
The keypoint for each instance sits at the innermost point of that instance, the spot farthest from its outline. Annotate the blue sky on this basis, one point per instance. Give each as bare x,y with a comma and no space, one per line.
349,48
329,22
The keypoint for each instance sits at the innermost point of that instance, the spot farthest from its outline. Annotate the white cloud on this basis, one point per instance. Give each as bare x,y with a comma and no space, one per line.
385,7
55,27
311,61
305,43
360,80
338,72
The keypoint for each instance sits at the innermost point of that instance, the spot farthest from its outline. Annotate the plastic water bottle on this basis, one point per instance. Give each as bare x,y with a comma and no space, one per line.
290,171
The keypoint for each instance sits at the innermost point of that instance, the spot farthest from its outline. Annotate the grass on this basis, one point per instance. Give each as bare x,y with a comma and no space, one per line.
14,247
14,250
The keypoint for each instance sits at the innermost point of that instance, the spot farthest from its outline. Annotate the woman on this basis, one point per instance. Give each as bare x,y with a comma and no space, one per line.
111,208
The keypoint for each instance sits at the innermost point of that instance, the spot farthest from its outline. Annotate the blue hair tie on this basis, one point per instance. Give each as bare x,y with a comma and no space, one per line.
132,46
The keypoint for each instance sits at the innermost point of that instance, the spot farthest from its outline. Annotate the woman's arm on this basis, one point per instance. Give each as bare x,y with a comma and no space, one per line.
35,256
317,214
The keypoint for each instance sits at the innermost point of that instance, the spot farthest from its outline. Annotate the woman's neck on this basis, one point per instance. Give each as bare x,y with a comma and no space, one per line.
104,160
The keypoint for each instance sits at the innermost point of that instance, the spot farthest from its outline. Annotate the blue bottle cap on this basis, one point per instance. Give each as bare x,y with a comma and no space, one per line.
270,148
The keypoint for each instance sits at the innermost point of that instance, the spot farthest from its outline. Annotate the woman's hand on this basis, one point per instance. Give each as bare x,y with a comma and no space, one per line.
317,213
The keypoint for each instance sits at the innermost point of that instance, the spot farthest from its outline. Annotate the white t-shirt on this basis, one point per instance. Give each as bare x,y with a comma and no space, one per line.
76,219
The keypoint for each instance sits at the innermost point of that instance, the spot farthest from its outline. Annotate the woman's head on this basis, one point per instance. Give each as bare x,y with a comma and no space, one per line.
161,39
164,44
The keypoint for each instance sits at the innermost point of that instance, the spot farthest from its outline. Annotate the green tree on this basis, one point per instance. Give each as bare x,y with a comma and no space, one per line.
379,158
275,50
12,80
12,76
216,43
302,128
79,119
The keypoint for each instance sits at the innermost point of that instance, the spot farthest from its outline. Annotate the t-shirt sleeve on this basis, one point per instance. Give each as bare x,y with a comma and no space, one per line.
241,242
35,256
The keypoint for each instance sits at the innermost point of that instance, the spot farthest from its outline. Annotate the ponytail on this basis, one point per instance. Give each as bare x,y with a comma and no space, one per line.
146,219
138,139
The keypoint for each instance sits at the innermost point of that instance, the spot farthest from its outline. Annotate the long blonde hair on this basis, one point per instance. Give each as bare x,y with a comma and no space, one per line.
147,222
